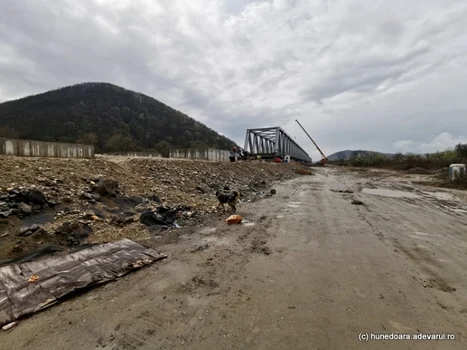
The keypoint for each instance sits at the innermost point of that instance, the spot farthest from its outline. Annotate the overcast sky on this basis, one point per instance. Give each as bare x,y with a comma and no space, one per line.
381,75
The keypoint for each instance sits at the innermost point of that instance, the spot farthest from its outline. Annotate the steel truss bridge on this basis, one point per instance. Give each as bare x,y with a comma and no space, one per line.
273,142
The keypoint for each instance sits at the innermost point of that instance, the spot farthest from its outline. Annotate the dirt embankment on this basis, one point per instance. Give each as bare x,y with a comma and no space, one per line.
75,213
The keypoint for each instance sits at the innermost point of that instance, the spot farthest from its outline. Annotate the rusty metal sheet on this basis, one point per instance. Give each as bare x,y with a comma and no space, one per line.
29,287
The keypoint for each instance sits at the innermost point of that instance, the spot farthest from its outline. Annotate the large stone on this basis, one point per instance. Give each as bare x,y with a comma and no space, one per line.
90,196
52,204
37,197
27,231
107,187
6,214
24,208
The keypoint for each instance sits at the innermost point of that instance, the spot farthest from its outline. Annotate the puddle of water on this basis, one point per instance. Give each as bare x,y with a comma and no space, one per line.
248,224
280,216
293,205
389,193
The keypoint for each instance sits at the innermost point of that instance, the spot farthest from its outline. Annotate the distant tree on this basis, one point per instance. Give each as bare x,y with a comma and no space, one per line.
119,143
188,136
398,157
197,144
89,139
69,127
163,148
6,131
461,150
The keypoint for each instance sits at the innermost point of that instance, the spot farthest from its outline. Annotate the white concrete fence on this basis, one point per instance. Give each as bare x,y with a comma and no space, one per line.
210,154
134,154
30,148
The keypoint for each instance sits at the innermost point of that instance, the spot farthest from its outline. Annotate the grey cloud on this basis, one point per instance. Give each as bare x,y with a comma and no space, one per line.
355,75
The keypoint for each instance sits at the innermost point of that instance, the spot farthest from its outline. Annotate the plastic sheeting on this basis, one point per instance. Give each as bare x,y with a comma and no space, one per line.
29,287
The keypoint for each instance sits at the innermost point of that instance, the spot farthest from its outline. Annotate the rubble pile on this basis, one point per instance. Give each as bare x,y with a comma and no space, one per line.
22,202
70,202
194,183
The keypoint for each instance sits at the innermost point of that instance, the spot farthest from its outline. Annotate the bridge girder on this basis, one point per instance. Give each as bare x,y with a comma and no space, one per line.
273,142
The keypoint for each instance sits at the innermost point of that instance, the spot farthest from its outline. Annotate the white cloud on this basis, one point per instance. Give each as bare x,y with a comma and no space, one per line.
357,74
441,142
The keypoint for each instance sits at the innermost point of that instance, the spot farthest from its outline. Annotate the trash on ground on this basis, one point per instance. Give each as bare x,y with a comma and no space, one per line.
234,219
62,275
33,278
149,218
9,326
273,191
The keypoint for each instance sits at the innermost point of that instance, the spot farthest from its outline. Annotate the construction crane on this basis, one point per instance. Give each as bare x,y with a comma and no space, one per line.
324,159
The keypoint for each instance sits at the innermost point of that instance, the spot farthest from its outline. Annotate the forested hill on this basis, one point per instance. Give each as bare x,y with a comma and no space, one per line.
108,116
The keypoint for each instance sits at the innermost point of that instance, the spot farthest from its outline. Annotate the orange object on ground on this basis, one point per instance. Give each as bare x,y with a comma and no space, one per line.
234,219
33,279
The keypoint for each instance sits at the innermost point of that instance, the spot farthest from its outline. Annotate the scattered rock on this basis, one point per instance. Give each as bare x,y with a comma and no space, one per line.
27,231
37,197
155,199
22,231
6,214
24,208
200,189
90,196
107,187
357,202
122,220
88,215
149,218
39,232
273,191
73,233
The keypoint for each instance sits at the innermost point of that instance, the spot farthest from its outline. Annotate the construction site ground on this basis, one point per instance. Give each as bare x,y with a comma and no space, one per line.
327,259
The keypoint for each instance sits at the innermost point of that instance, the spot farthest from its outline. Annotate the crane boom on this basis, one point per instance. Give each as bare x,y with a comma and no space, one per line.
324,160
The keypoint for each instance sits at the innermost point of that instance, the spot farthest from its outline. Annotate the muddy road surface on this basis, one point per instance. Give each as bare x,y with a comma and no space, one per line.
309,270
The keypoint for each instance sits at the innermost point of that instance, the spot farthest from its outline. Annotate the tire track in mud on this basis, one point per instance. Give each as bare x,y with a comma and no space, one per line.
427,237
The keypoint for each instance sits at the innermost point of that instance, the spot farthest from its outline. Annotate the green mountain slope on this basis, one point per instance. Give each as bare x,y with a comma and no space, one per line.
108,116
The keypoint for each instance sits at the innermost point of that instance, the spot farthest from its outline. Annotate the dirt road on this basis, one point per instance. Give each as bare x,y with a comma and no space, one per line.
309,271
